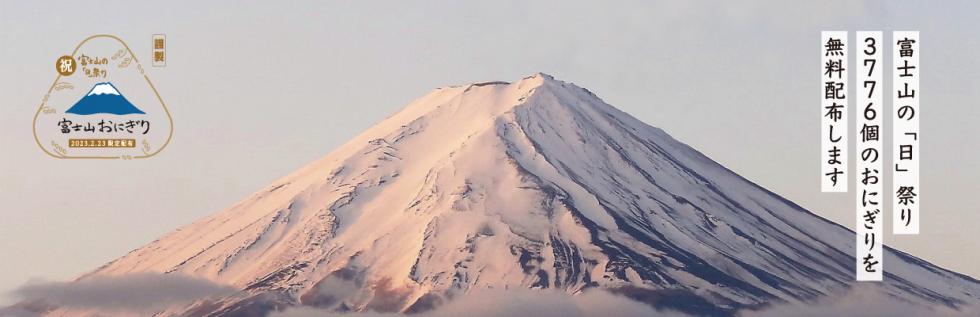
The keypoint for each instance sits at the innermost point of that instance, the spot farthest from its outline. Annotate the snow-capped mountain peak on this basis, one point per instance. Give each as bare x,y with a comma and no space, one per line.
103,88
532,184
104,98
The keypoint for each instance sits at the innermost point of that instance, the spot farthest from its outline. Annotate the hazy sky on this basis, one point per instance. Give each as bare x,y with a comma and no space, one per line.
739,82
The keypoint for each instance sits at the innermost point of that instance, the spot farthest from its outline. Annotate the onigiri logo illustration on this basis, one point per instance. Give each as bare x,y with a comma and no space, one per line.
102,105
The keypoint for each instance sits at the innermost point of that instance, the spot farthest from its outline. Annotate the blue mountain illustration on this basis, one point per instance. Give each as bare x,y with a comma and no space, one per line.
103,98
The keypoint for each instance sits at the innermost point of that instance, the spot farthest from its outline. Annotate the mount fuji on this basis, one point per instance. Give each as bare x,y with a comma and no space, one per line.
535,184
103,98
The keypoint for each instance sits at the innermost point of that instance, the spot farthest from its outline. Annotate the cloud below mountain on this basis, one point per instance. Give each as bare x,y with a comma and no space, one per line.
135,292
150,292
861,301
518,302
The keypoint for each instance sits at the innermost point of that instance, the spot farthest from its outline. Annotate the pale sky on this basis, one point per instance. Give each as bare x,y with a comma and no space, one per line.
738,82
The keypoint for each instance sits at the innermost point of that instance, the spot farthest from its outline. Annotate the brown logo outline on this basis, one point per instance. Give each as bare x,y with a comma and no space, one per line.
142,72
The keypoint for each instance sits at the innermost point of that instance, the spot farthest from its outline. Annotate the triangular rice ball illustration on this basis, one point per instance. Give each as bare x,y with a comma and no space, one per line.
106,108
104,98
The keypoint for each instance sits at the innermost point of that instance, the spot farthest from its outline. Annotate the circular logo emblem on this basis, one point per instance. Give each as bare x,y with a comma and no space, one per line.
65,65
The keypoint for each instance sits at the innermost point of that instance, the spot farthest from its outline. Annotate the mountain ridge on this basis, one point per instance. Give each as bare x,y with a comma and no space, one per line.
531,184
103,97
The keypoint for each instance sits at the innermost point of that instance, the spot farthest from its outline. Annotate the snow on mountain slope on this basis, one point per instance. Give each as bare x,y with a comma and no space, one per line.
105,88
532,184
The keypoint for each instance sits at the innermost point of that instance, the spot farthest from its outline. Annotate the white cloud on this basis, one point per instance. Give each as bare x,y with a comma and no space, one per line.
486,303
148,292
860,301
134,292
